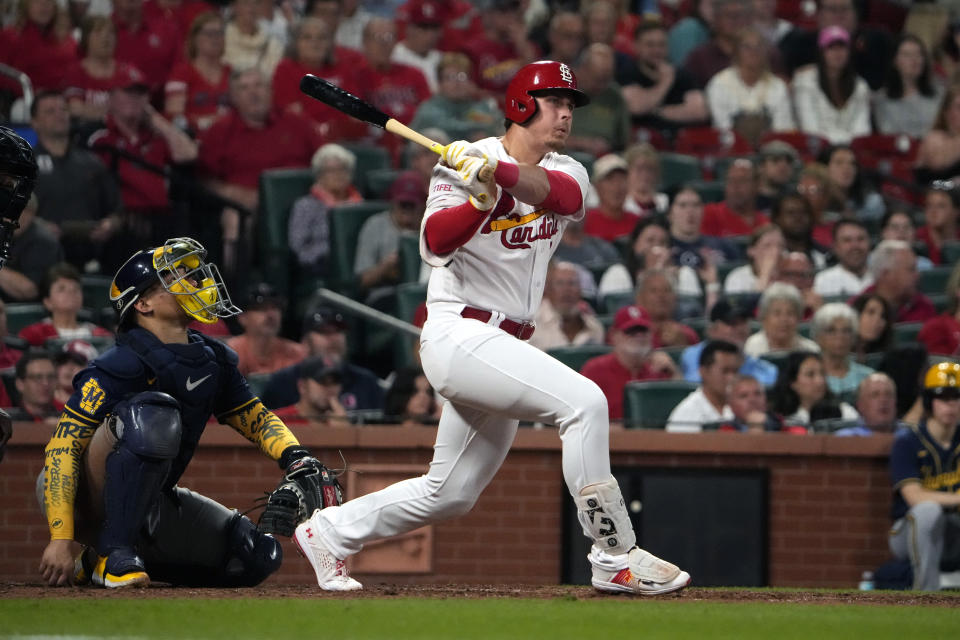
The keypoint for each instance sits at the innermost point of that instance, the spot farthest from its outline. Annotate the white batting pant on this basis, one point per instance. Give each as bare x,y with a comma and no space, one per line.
490,380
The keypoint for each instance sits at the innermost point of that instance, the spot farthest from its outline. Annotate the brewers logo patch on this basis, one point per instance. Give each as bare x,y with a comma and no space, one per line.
91,396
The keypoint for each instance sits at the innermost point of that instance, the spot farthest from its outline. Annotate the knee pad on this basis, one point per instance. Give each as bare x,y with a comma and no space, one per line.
148,424
251,554
604,518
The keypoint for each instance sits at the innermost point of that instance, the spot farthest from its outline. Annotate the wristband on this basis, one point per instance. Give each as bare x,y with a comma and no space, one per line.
506,174
291,454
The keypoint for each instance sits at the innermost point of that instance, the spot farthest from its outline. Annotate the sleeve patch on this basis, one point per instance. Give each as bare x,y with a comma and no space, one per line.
91,396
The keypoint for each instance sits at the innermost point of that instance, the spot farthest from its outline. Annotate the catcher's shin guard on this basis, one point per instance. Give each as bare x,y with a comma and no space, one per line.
604,518
251,554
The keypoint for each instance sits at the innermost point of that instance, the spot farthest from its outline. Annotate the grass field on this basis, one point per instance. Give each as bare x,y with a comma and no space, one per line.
486,619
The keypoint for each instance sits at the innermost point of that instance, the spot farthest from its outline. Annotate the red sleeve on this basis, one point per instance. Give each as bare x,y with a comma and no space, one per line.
35,334
286,84
451,228
208,160
564,197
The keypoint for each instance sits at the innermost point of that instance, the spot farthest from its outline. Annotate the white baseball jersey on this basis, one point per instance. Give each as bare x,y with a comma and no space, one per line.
503,267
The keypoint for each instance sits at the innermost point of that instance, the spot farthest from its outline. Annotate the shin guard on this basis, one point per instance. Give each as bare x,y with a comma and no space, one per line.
604,518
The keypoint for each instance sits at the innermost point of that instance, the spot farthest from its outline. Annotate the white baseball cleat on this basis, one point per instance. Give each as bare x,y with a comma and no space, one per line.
638,572
331,571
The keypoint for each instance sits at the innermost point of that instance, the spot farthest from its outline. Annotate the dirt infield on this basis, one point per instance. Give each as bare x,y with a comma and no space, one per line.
473,591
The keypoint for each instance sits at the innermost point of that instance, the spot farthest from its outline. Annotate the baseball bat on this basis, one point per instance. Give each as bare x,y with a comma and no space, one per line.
345,102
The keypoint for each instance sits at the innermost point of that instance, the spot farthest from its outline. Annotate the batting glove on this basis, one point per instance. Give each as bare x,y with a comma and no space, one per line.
456,152
483,195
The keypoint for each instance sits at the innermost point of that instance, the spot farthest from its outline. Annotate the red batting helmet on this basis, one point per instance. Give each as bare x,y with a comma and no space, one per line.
545,75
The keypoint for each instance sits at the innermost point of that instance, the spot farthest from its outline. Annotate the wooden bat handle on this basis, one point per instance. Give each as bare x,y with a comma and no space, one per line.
398,128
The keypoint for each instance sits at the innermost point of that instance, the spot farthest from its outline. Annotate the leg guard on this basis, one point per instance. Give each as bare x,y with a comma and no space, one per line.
604,518
147,427
251,554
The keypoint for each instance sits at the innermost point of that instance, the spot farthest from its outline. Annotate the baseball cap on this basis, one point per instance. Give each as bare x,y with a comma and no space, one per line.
131,78
607,164
324,319
426,12
78,351
728,312
316,369
263,295
779,149
408,187
631,317
832,35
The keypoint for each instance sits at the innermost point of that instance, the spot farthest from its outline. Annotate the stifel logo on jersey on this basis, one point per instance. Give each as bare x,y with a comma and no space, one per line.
514,232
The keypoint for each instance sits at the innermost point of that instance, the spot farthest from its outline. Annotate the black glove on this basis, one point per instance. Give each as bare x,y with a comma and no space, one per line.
306,486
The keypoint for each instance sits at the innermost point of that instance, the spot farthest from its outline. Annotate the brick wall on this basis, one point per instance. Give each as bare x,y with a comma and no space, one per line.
829,499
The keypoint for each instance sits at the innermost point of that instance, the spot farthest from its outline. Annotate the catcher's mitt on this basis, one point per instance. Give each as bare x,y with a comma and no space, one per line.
307,485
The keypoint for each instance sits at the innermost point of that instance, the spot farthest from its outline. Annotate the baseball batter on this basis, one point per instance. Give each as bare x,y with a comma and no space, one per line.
489,244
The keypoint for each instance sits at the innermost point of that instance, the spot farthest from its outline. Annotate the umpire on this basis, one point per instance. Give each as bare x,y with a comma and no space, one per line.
131,427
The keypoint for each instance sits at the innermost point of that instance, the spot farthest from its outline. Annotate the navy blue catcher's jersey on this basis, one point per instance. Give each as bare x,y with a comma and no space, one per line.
916,456
202,375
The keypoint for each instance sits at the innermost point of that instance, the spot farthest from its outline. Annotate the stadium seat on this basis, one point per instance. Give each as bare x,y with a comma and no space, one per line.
614,301
677,169
345,223
777,358
880,145
410,261
20,314
378,182
803,329
650,136
584,158
950,252
369,158
96,291
698,324
647,404
934,280
710,191
674,352
707,141
409,296
905,332
574,357
279,189
941,301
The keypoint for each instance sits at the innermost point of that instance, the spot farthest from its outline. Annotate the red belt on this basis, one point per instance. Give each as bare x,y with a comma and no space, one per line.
522,330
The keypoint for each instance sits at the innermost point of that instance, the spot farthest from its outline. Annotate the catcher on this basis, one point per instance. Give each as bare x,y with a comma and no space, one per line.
128,432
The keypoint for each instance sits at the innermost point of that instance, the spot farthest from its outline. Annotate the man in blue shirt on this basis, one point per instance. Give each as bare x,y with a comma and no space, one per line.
877,406
730,322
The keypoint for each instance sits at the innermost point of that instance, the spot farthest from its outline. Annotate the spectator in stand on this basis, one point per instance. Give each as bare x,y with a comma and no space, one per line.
691,31
894,268
457,108
746,96
649,249
801,394
940,210
874,325
247,43
198,89
418,49
90,79
778,163
39,43
659,94
816,187
77,196
324,335
632,358
925,473
610,220
501,47
227,167
719,362
834,327
877,406
604,124
35,380
643,178
763,255
410,400
140,145
941,334
8,354
589,252
711,57
766,21
657,296
831,100
35,249
565,37
63,299
899,225
857,199
564,318
147,44
377,259
729,321
689,246
352,21
793,214
309,225
779,311
748,403
260,348
602,25
319,387
938,157
907,104
737,214
67,364
850,276
796,268
872,47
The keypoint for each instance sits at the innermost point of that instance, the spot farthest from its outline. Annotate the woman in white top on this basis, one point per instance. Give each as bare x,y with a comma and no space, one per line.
779,311
766,246
747,87
830,99
247,43
801,394
908,102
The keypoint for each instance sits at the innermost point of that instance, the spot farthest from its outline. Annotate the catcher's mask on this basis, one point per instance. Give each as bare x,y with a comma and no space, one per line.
179,267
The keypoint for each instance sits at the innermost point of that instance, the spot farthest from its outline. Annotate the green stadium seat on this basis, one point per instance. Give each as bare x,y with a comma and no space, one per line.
647,405
905,332
409,296
575,357
614,301
279,189
724,269
677,169
20,314
709,191
584,158
950,252
934,280
369,158
96,291
803,329
379,181
941,301
697,324
345,223
674,352
410,262
778,358
874,359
